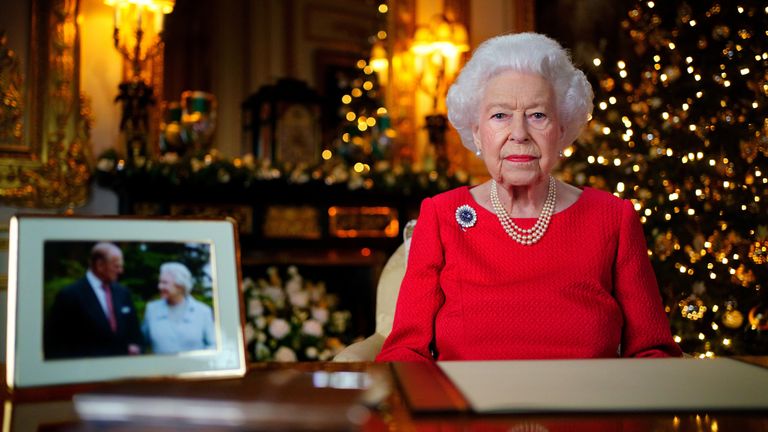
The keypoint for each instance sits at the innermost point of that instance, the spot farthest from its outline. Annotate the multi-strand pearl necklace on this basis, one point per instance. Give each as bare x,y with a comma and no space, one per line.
531,235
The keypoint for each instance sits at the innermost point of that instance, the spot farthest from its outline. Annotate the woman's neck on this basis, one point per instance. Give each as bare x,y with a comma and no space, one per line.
176,301
523,201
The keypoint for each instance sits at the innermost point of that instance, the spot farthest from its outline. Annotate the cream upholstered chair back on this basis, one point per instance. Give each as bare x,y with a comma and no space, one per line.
386,300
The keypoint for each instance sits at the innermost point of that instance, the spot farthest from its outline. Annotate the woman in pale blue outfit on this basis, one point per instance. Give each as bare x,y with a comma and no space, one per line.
177,322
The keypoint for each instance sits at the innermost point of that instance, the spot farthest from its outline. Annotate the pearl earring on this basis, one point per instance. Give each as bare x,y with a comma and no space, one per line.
478,153
561,153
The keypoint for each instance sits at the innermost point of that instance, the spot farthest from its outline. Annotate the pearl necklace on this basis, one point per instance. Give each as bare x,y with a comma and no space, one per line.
531,235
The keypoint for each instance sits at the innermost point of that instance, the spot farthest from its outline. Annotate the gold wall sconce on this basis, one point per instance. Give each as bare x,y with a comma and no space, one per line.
438,48
138,30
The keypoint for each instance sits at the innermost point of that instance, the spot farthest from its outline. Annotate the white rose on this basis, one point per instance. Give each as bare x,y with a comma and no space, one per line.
248,284
299,299
293,285
285,354
279,328
255,308
250,333
320,314
312,328
276,294
260,322
311,352
325,355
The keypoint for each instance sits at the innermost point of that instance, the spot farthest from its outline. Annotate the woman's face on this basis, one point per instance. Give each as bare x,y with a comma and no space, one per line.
171,292
518,131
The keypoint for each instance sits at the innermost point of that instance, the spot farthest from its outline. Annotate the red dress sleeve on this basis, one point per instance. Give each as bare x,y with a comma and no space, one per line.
646,330
420,295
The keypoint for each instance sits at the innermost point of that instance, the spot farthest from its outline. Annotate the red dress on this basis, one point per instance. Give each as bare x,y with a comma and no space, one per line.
585,290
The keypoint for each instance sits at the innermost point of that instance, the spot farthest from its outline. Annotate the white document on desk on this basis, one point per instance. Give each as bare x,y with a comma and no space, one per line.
616,385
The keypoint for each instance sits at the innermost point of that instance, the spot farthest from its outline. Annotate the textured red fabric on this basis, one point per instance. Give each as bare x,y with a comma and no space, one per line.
585,290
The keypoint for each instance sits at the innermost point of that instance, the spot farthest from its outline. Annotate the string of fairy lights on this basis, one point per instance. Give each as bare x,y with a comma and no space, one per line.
685,134
366,122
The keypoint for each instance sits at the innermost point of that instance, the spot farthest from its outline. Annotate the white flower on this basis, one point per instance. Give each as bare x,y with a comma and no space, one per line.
311,352
339,320
261,337
279,328
320,314
261,351
299,299
276,294
255,308
285,354
293,285
325,355
248,284
250,333
312,328
260,322
292,271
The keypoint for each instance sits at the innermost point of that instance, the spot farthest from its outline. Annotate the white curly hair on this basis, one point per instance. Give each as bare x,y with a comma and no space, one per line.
522,52
181,275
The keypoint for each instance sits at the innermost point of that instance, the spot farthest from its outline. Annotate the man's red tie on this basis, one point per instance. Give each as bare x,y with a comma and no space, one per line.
110,307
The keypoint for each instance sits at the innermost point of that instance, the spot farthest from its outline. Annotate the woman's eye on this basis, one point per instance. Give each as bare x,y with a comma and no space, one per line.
538,116
498,116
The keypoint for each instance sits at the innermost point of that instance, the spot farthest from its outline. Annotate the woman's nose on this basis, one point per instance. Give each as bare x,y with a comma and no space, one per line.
518,129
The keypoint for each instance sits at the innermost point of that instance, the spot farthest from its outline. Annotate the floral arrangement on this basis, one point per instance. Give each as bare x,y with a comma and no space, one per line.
293,321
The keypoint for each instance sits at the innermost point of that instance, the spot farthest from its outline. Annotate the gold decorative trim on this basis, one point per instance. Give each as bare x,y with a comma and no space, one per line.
51,169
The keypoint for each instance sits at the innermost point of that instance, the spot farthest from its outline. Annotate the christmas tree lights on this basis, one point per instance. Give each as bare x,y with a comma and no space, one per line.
366,134
681,128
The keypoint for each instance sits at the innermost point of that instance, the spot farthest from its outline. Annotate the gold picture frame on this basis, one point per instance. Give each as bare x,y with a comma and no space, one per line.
45,127
58,331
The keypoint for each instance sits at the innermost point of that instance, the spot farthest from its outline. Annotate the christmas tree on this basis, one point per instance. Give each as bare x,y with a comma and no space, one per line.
365,130
681,128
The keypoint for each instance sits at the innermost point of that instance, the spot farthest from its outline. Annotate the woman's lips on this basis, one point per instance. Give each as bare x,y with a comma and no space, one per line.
519,158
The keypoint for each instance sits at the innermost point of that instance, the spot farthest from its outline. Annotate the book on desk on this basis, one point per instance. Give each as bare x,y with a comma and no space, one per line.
583,386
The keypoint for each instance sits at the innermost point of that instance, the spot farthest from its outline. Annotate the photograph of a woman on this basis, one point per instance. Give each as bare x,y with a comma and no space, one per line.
177,321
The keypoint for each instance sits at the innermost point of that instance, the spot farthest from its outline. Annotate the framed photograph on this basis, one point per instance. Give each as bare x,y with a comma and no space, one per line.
107,298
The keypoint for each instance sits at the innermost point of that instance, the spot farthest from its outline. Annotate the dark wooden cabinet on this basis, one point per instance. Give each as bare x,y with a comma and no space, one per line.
332,233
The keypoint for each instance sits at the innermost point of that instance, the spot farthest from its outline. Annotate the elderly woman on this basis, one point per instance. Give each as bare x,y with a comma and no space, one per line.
524,266
177,322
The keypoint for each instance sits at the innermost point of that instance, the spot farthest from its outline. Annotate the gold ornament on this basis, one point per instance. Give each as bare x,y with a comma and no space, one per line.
732,318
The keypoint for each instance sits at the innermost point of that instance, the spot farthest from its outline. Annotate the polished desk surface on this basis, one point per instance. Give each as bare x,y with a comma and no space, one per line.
51,409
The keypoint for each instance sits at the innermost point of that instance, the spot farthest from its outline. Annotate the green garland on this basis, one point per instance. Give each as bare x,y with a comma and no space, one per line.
211,170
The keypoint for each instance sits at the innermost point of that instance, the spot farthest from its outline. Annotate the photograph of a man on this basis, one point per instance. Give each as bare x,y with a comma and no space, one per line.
95,316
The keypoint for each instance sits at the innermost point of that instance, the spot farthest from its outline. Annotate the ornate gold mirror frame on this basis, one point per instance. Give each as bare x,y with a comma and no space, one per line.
44,120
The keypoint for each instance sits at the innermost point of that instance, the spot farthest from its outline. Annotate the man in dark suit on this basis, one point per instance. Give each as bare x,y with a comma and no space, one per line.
94,316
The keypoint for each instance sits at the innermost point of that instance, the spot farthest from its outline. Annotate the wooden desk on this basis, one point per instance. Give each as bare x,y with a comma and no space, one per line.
52,410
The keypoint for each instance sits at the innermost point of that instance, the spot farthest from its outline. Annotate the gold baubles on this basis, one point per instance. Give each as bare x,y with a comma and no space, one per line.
732,318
